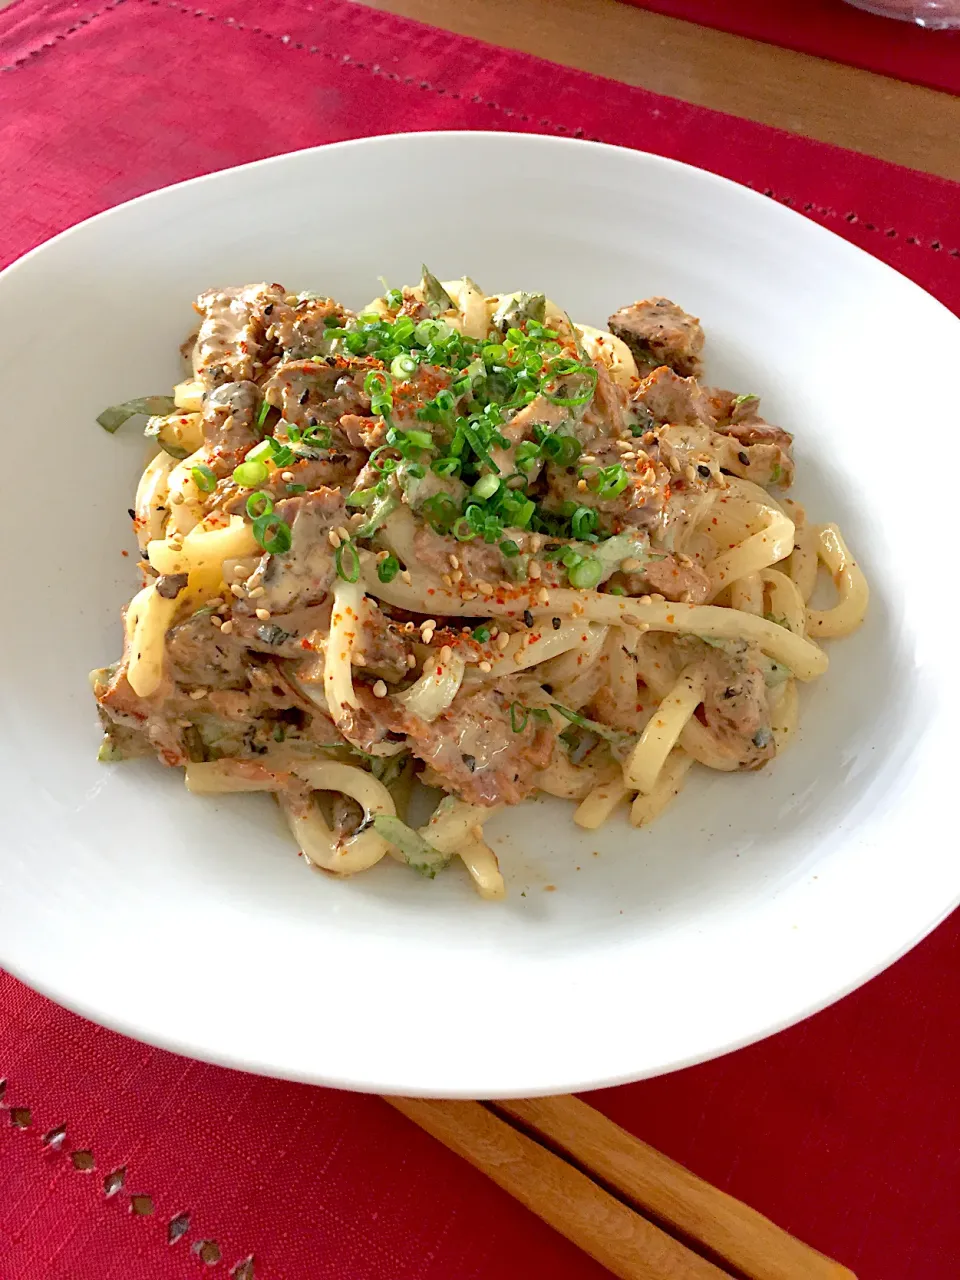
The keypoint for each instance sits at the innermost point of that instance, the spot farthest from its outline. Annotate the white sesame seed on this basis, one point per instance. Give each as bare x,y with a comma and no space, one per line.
503,639
379,689
494,632
543,595
197,694
411,660
643,626
176,499
382,555
217,622
468,595
286,475
454,562
227,626
256,593
589,457
446,653
690,471
630,565
263,614
645,600
430,624
486,588
657,599
629,457
446,579
343,532
333,538
405,576
484,666
533,569
536,542
238,591
582,486
427,637
359,659
622,444
457,577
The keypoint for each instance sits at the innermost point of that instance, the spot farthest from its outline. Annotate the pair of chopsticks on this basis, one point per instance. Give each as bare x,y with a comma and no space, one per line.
635,1211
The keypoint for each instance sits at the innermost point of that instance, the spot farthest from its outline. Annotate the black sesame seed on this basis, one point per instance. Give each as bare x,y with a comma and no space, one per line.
131,513
304,398
704,471
556,623
527,618
267,309
743,458
470,762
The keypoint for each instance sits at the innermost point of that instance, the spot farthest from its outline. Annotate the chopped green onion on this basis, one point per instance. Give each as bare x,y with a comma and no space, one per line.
203,478
516,723
262,416
293,489
259,504
445,466
394,299
495,353
485,487
509,549
293,433
118,414
594,726
583,522
403,366
420,439
364,497
618,591
526,455
376,383
347,560
481,634
249,474
609,482
388,569
563,367
441,512
462,530
272,533
587,574
417,853
319,434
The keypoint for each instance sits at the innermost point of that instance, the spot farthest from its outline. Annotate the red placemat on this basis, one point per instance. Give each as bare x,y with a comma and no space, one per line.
832,29
844,1129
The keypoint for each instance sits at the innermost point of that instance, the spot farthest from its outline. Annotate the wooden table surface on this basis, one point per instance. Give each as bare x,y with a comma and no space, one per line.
905,123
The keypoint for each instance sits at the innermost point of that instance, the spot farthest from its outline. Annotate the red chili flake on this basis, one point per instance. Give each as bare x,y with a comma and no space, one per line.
304,643
124,553
670,617
430,591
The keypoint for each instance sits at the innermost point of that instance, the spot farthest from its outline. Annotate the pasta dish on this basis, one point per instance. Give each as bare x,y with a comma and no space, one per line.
459,542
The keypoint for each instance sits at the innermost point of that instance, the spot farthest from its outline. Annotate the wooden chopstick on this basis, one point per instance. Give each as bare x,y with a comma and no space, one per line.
605,1199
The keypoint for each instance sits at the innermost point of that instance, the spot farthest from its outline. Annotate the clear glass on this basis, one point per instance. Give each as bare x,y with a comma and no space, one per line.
936,14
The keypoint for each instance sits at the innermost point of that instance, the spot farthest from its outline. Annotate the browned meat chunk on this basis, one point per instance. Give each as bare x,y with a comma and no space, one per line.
638,506
302,575
199,656
473,748
540,412
664,397
233,332
477,560
606,411
670,576
380,647
735,705
739,416
230,422
308,392
301,329
658,332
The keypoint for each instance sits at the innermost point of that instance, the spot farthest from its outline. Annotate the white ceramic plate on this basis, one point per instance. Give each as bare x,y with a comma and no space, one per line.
758,898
